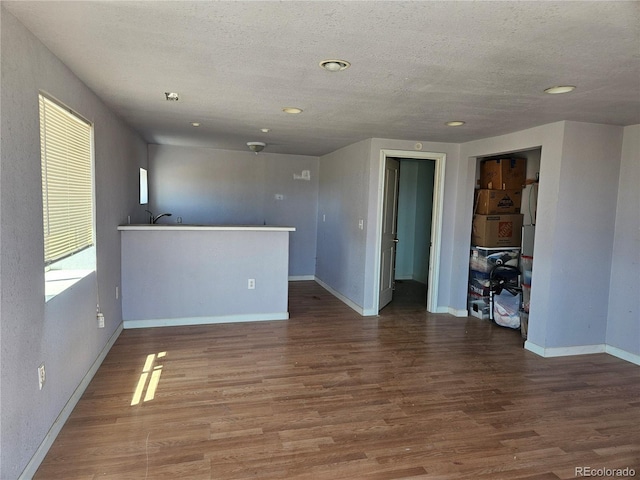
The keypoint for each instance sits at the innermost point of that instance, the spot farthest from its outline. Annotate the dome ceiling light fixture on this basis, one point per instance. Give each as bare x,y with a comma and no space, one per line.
256,146
334,65
292,110
560,89
455,123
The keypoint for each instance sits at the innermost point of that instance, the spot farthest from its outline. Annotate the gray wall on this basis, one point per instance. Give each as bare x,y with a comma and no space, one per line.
63,332
583,236
579,195
452,152
588,193
209,186
204,277
349,192
623,323
342,203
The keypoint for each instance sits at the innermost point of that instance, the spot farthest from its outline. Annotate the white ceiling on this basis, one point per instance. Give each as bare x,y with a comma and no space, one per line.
415,65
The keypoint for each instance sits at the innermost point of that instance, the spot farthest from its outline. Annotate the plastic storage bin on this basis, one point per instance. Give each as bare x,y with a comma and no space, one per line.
506,309
483,259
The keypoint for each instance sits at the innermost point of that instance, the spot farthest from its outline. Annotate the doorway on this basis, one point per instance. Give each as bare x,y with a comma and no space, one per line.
415,208
415,262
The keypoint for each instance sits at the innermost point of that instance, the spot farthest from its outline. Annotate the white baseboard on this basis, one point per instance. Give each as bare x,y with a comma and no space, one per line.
564,351
623,354
582,350
454,311
47,442
301,278
178,322
344,299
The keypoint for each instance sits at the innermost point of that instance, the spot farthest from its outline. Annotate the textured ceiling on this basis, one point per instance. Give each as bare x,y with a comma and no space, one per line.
415,65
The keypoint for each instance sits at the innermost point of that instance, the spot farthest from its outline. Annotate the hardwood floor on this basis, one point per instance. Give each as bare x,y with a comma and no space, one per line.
332,395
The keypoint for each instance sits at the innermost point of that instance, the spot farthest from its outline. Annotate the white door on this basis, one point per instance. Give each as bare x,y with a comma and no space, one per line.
389,232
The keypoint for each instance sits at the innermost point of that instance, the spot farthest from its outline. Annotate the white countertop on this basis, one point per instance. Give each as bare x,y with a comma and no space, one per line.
219,228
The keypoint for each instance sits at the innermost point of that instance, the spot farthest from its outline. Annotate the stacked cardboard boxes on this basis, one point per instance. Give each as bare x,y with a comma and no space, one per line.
497,226
497,221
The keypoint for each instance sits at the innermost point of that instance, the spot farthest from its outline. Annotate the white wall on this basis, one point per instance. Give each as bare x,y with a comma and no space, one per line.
623,319
63,332
210,186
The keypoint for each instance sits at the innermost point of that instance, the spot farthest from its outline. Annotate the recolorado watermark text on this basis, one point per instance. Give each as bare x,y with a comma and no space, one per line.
604,472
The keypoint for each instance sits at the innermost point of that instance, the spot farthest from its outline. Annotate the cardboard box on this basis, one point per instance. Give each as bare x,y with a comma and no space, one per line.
497,230
495,202
503,174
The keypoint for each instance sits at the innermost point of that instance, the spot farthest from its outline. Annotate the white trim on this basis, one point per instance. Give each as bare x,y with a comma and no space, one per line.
403,277
456,312
564,351
532,347
436,222
182,321
582,350
344,299
623,354
33,465
225,228
301,278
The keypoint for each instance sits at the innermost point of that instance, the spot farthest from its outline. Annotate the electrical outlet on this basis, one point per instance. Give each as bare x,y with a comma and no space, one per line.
100,320
251,284
41,376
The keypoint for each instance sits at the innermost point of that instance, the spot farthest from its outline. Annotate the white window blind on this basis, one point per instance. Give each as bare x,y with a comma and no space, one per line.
67,181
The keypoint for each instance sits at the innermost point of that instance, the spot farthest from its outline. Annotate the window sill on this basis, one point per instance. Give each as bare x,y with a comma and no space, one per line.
57,281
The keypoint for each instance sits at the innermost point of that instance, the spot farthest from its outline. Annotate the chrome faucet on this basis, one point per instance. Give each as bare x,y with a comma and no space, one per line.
153,220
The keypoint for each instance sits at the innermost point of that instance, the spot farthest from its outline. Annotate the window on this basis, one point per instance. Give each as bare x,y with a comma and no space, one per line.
67,196
144,187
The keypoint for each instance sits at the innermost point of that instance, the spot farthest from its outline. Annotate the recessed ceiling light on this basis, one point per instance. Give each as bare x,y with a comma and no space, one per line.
292,110
335,65
256,146
195,124
560,89
171,96
265,130
455,123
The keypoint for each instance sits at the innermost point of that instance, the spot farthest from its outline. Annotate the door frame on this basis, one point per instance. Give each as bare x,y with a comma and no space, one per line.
436,222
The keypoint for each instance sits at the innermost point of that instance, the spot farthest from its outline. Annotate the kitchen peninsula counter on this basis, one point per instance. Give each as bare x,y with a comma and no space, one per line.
179,274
